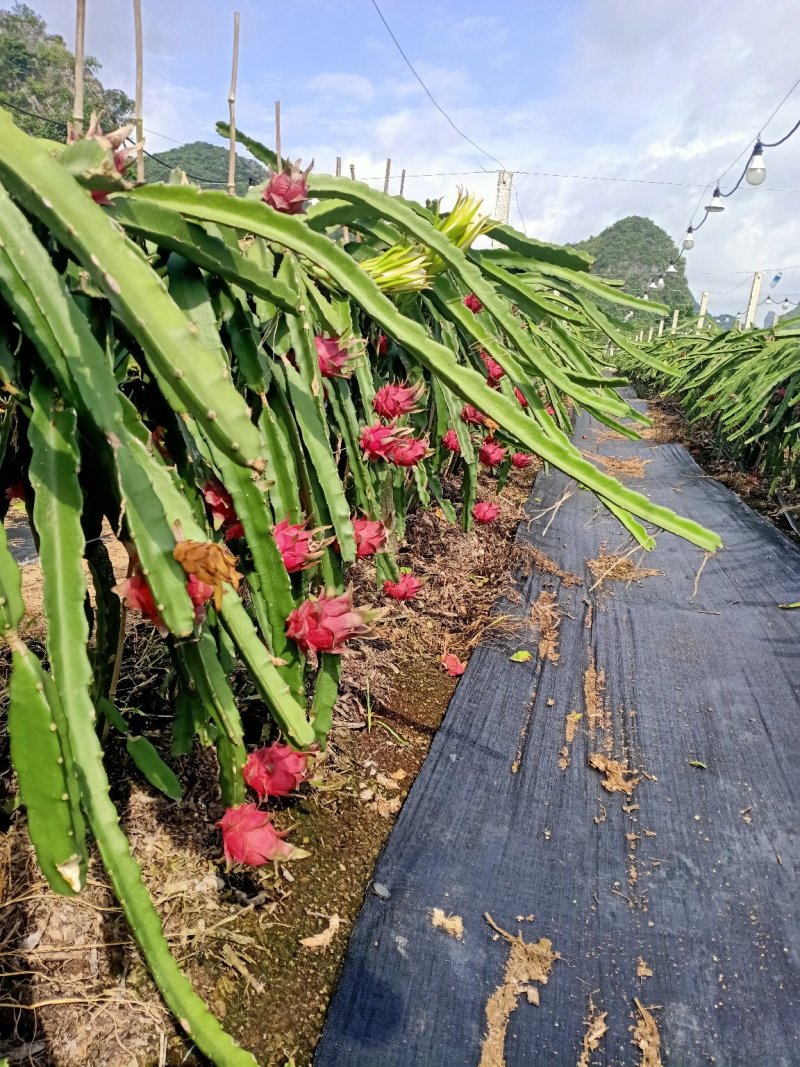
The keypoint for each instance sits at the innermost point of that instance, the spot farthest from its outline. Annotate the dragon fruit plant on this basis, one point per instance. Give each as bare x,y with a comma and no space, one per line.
250,405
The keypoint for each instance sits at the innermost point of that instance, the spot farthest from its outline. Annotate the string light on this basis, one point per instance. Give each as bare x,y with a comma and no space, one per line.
756,171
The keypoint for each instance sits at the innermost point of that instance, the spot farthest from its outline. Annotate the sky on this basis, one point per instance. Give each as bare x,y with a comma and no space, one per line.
601,88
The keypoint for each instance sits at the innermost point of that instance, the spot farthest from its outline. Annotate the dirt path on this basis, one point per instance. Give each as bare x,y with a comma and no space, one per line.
616,830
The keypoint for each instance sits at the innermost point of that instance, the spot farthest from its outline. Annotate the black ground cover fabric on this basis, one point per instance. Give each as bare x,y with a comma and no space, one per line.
713,911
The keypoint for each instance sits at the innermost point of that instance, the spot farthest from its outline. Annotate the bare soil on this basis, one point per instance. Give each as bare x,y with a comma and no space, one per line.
73,988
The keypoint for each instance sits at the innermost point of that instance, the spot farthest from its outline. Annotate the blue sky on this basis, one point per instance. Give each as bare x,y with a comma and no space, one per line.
615,88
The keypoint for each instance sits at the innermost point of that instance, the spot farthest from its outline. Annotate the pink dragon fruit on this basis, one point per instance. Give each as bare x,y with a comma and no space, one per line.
491,453
287,192
383,344
392,401
521,460
493,368
520,397
453,665
275,770
472,416
248,836
334,360
377,440
408,451
219,503
325,623
450,441
137,596
370,536
297,545
406,589
550,410
473,303
485,512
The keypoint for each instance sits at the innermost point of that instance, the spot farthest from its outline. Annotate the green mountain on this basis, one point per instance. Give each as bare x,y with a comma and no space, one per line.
206,164
638,251
37,75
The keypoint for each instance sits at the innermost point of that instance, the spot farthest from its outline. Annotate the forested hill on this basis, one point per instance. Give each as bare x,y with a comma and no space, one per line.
637,250
207,162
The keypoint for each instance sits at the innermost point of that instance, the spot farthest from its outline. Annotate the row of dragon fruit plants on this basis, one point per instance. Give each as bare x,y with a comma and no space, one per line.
252,393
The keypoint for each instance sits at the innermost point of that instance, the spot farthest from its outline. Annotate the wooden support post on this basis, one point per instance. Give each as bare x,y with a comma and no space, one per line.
278,135
650,334
338,166
703,309
80,30
755,292
232,108
660,327
353,171
387,175
137,31
402,182
675,314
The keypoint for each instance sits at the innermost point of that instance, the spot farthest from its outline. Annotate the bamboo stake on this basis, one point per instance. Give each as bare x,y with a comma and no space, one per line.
137,28
278,134
353,171
80,29
402,182
338,166
387,175
232,108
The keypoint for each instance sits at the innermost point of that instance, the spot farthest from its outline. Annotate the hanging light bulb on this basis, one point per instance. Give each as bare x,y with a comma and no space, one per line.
716,202
652,285
646,296
688,241
756,171
660,282
768,300
672,269
785,305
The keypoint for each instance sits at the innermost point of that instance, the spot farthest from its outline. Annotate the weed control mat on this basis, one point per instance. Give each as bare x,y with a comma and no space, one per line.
625,814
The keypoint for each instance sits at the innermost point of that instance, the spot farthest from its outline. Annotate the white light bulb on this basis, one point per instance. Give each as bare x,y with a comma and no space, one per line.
688,241
660,283
785,305
716,202
672,269
652,285
756,171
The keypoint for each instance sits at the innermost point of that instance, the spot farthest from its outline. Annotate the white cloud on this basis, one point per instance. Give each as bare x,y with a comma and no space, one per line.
351,86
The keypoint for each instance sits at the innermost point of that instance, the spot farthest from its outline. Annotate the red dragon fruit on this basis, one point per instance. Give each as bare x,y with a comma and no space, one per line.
521,460
406,589
473,303
325,623
453,665
491,453
408,451
137,596
370,536
377,440
275,770
485,512
450,441
472,416
493,368
297,545
550,410
383,344
248,836
520,397
392,401
287,192
334,360
219,503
